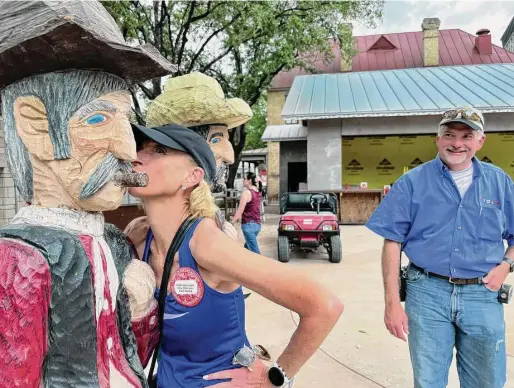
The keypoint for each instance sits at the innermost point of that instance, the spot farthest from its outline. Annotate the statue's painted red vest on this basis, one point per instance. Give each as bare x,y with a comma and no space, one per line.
64,347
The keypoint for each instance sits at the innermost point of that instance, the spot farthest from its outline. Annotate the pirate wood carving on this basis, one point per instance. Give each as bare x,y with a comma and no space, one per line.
197,101
77,310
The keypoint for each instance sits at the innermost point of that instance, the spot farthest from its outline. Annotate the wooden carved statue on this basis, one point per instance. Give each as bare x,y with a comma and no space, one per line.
197,101
76,309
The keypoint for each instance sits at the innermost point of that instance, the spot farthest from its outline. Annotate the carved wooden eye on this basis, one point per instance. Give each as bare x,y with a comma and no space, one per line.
96,119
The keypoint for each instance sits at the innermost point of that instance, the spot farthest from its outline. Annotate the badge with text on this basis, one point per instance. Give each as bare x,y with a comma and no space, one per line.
187,286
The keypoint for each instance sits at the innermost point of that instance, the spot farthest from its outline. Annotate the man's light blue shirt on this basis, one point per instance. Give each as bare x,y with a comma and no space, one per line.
442,232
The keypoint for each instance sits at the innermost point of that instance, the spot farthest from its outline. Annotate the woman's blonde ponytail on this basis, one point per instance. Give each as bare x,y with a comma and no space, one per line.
201,201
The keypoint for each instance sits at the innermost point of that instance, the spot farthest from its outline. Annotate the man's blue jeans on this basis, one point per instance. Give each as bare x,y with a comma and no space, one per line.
443,316
250,231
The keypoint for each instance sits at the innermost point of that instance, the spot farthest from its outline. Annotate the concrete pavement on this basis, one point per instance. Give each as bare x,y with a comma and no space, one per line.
359,353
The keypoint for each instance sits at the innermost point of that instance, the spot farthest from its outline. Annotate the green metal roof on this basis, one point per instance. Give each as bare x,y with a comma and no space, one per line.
403,92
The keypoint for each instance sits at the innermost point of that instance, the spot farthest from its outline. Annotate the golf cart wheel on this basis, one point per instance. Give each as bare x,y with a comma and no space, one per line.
283,249
334,251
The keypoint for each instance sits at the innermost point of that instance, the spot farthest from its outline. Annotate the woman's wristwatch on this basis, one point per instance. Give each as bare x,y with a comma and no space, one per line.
278,377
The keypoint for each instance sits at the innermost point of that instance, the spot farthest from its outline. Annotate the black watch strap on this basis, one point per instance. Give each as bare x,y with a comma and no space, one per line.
278,377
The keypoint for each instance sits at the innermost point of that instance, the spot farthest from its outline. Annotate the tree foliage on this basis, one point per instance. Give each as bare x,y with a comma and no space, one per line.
243,44
255,127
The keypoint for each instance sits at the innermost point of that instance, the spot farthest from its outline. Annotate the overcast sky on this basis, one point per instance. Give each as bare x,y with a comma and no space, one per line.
469,16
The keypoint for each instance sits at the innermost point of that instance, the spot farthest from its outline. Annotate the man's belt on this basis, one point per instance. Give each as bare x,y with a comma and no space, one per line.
457,281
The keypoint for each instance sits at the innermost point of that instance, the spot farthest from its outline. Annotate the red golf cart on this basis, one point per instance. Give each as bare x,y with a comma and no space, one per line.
308,220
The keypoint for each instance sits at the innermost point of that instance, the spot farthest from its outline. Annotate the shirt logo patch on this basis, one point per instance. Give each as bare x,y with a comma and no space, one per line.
489,201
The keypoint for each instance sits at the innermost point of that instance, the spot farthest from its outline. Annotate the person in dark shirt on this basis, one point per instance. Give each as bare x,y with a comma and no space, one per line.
249,211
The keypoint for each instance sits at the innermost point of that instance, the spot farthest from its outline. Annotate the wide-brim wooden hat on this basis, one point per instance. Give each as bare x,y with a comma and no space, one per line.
38,37
196,99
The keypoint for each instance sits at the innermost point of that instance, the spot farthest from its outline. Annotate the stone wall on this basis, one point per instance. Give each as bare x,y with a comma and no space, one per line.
276,100
273,165
430,27
7,192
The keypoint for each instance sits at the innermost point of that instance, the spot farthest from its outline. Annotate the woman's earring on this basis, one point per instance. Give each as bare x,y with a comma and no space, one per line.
183,187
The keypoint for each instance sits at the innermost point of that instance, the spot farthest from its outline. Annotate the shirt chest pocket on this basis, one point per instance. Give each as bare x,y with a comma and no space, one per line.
489,227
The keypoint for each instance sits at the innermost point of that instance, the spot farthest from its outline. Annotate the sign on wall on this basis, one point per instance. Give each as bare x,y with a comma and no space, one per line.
498,149
380,160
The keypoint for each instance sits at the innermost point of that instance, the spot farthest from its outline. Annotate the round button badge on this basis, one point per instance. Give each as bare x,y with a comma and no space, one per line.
187,287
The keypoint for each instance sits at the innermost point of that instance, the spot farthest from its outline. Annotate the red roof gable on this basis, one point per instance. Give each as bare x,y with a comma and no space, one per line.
456,47
382,43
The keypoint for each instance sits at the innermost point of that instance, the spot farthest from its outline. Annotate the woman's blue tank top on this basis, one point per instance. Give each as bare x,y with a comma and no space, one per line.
198,340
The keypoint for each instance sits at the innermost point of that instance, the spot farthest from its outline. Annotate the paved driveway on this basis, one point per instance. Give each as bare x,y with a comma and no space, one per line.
359,352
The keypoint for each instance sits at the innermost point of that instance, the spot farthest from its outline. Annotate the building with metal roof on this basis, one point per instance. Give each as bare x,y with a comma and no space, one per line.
391,104
405,92
404,50
373,120
284,132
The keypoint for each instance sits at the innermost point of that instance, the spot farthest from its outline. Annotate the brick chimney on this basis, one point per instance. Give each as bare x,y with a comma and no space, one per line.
483,42
346,63
430,27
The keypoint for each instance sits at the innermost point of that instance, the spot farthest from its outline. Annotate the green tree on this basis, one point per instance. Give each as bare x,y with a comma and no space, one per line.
243,44
255,127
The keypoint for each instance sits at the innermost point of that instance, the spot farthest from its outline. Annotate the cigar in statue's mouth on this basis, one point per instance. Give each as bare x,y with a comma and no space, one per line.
131,179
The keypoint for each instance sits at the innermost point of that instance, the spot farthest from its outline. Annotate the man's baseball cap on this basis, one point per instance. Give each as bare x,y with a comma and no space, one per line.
177,137
472,117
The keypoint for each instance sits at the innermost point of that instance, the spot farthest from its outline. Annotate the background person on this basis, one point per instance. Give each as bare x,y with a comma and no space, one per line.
451,216
249,211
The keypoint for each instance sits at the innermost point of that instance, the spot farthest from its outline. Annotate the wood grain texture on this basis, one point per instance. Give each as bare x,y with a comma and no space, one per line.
196,99
56,103
24,303
45,36
83,181
357,207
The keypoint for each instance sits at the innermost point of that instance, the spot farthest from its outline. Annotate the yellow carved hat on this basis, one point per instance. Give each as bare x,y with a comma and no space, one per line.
196,99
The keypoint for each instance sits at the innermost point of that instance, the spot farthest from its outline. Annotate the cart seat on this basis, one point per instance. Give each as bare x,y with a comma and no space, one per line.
301,202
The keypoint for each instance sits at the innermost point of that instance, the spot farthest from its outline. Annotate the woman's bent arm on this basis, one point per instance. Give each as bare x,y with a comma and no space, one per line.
318,308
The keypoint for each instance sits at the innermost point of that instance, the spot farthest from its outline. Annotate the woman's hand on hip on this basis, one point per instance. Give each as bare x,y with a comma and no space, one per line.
318,307
243,377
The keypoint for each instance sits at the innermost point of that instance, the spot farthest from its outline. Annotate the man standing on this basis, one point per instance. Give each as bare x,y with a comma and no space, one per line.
450,216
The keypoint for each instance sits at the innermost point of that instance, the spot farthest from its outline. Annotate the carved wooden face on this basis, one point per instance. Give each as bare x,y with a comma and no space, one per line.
101,143
219,141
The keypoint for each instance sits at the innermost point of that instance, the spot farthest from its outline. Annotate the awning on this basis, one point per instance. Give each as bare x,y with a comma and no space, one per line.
404,92
285,132
258,154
